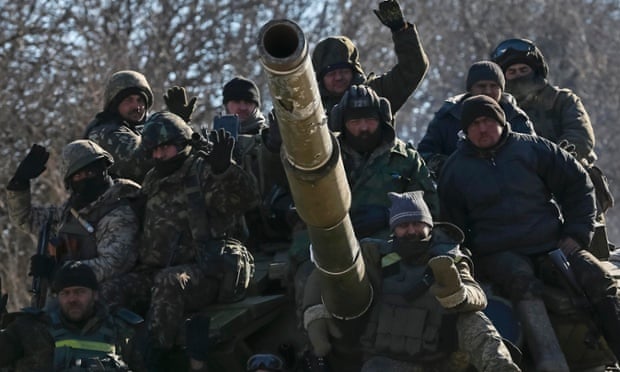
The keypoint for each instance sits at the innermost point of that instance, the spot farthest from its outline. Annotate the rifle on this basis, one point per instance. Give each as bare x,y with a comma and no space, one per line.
39,284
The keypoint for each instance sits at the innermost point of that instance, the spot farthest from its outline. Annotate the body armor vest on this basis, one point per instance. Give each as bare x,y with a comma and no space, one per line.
407,322
74,350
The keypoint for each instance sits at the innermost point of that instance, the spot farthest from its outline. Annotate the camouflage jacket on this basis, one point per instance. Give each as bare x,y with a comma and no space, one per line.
114,234
558,114
394,166
167,234
397,84
29,342
122,140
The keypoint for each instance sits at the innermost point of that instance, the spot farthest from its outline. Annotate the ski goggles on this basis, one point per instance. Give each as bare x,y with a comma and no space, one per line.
267,362
517,45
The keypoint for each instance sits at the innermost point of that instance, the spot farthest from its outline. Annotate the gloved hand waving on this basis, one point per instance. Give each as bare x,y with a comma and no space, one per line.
448,287
176,101
220,156
31,167
272,137
42,266
391,15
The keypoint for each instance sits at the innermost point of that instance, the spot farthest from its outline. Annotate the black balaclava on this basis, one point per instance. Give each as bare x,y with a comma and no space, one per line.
167,167
87,190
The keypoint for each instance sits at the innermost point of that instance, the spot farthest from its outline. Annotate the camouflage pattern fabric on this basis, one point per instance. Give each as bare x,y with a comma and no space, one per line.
27,345
122,141
479,338
394,166
177,291
167,238
168,269
115,233
558,114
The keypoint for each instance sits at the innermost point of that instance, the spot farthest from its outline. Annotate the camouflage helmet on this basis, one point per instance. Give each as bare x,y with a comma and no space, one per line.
124,80
359,101
78,154
162,128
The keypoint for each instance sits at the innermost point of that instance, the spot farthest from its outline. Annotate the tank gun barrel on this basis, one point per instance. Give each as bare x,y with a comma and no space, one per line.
311,158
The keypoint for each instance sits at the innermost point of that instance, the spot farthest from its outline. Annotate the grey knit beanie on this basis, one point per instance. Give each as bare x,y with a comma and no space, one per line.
409,207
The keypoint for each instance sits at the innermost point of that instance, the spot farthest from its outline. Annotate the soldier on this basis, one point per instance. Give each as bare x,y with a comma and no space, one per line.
375,160
444,131
81,334
420,276
337,66
242,98
186,258
558,115
127,98
97,225
497,188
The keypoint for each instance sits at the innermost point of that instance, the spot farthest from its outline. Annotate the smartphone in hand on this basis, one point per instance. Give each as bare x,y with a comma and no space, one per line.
230,123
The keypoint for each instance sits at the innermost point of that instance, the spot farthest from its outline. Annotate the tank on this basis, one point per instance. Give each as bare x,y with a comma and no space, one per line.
265,321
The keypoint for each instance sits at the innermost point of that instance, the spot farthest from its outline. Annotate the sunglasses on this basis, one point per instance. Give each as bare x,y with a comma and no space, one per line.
517,45
269,362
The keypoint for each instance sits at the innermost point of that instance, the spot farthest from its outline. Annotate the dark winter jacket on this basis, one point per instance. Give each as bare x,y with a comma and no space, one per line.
441,135
502,198
396,85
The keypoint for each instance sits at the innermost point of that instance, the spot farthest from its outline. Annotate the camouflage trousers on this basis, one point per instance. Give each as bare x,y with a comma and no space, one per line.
173,292
479,345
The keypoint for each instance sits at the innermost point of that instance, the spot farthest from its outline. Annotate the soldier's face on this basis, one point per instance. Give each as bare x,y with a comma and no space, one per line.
412,229
132,108
484,132
488,88
243,109
517,70
165,152
338,81
77,303
362,127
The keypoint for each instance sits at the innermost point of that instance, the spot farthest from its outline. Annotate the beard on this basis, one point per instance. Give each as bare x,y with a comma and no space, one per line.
364,142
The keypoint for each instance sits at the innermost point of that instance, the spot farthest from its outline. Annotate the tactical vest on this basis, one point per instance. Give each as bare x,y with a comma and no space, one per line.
77,238
73,351
407,322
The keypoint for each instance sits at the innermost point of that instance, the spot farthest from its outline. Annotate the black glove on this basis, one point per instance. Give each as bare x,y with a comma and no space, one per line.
568,147
368,219
176,101
389,14
197,336
435,164
220,156
272,138
41,266
31,167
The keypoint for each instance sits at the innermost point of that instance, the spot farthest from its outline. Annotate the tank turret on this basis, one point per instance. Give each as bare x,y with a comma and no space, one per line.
311,158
